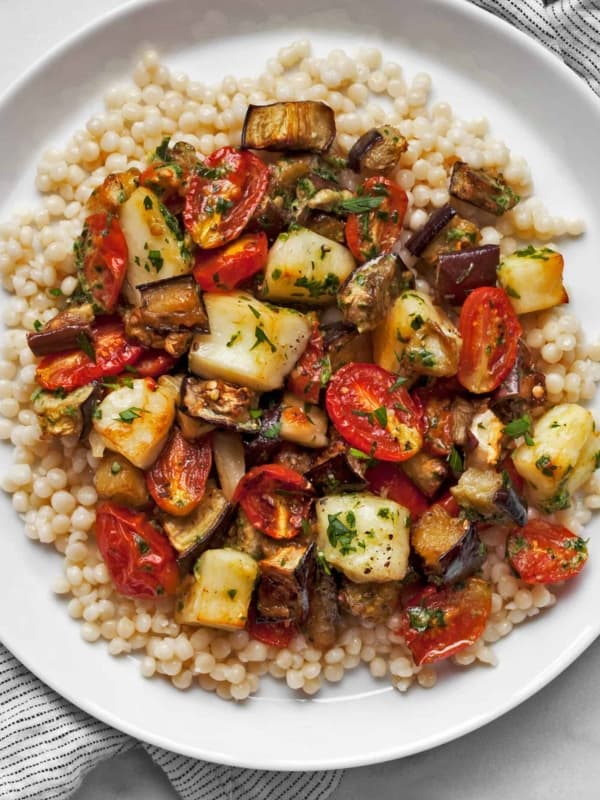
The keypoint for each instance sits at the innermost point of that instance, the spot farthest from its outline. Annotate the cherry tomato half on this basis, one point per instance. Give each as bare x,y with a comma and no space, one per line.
102,257
387,480
276,499
223,196
545,552
177,479
139,558
439,622
277,634
373,232
305,379
225,268
449,504
112,352
490,332
373,413
154,362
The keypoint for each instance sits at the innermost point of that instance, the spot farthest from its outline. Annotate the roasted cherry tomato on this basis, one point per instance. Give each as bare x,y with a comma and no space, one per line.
545,552
153,363
387,480
437,421
177,479
373,232
165,179
439,622
449,504
225,268
309,374
139,557
373,413
109,345
490,332
277,634
276,500
102,256
223,196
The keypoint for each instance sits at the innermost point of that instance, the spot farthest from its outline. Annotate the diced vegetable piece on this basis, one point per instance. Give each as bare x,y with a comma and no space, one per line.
173,304
101,258
327,225
545,552
192,427
117,479
459,234
294,125
305,268
427,472
369,292
323,617
562,456
533,279
448,547
177,478
489,495
62,414
219,593
523,388
485,432
276,500
113,192
250,343
483,189
135,421
154,241
63,331
417,337
312,370
377,215
436,223
343,344
437,420
457,274
139,558
377,150
285,583
302,422
220,403
364,536
438,622
228,452
202,528
336,470
368,601
226,267
262,448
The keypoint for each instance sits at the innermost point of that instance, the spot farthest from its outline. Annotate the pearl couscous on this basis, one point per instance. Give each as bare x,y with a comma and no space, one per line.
52,480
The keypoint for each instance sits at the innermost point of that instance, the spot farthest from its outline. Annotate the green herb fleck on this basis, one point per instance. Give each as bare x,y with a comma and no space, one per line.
358,205
129,414
85,343
262,338
455,460
232,593
148,204
115,468
421,618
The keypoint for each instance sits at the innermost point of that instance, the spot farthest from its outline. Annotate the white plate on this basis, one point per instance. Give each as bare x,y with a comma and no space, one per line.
481,66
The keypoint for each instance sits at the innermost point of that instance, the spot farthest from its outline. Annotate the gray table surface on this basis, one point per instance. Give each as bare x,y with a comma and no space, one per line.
547,748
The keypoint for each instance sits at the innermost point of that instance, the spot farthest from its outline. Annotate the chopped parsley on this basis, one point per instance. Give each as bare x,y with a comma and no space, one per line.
232,593
85,343
512,292
520,427
455,460
156,259
543,254
400,381
37,325
341,534
545,466
142,544
262,338
273,431
358,205
129,414
148,204
315,288
233,339
115,468
380,415
322,562
422,619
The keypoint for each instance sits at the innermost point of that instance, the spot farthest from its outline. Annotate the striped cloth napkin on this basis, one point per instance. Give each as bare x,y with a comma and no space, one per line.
48,745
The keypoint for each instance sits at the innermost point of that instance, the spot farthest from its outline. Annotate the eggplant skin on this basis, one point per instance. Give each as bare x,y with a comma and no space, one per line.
482,189
220,403
335,472
285,584
324,615
297,125
369,292
377,150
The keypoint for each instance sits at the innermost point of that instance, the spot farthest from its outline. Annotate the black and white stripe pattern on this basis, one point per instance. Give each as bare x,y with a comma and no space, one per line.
48,745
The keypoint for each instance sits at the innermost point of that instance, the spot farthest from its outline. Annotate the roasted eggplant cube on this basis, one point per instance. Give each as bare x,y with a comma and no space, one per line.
343,344
434,225
66,330
489,495
219,593
377,150
457,274
285,582
300,125
460,234
324,615
117,479
327,225
368,601
369,292
205,526
220,403
483,189
427,472
173,304
523,388
447,548
337,471
63,414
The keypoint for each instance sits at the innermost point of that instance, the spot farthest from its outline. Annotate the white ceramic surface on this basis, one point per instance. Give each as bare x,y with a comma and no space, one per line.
463,49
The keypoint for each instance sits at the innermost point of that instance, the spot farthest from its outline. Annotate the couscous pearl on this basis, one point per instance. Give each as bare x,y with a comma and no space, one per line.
90,632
